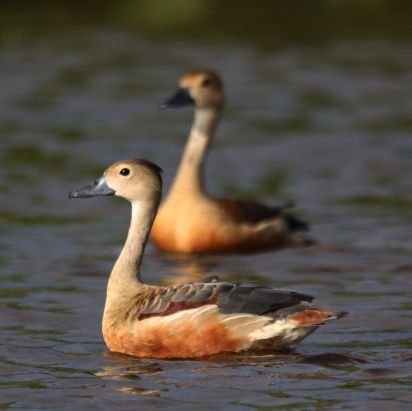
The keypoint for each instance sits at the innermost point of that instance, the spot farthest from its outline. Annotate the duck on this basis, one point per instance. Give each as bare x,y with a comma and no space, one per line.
190,319
192,221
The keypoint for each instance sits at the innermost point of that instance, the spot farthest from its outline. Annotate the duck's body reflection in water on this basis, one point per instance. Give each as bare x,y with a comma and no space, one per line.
154,378
183,268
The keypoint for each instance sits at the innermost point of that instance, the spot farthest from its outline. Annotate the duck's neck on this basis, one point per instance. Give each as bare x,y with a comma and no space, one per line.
125,276
189,177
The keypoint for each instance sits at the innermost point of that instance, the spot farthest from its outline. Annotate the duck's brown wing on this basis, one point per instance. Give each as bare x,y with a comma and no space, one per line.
245,211
229,298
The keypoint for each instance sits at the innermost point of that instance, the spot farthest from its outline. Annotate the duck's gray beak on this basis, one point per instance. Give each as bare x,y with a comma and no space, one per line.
181,98
98,188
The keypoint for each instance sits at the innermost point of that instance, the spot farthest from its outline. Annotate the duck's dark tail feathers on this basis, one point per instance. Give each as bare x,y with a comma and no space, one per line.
298,229
295,223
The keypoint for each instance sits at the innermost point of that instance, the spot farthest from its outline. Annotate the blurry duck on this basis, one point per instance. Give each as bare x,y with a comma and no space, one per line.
190,220
191,319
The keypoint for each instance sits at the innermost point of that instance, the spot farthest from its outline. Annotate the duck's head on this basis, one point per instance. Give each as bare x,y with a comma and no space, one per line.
134,180
204,89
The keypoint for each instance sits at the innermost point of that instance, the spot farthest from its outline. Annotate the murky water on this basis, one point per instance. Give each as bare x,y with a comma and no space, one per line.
326,126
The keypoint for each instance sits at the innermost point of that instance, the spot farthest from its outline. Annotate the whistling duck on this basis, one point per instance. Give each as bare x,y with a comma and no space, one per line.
191,319
190,220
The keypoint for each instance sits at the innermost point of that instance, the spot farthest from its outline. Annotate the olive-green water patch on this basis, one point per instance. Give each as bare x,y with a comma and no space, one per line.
33,155
270,184
379,201
14,218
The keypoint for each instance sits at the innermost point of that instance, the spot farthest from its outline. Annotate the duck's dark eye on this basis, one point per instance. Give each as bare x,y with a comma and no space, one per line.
206,82
124,171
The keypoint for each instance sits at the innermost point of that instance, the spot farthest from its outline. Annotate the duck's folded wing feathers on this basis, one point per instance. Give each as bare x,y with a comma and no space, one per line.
258,300
229,298
245,211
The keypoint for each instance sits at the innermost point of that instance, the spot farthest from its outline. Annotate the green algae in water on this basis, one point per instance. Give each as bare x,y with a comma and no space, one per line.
67,370
309,405
14,292
277,394
33,155
402,123
75,77
402,342
9,127
269,184
290,124
24,292
351,385
68,133
10,217
382,202
7,405
320,99
40,100
24,384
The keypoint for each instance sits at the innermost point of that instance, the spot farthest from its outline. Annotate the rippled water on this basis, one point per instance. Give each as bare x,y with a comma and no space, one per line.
326,126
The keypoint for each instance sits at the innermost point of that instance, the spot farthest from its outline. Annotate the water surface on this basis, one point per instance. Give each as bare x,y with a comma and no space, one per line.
328,126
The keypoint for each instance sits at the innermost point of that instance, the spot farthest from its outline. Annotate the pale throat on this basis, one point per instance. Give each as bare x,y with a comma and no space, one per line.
190,173
125,275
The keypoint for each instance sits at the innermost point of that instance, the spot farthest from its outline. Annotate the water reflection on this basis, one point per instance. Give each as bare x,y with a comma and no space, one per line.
145,377
326,122
140,372
186,268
